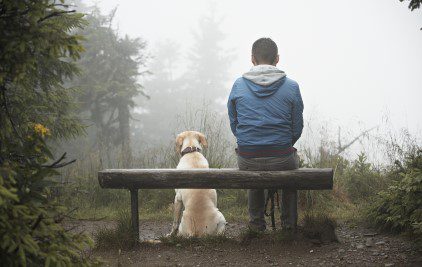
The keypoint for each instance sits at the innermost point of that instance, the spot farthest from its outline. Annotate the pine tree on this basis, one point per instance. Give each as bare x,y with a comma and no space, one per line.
37,53
110,69
165,86
207,74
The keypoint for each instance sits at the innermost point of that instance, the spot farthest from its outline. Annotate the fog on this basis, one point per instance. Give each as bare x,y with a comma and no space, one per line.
358,63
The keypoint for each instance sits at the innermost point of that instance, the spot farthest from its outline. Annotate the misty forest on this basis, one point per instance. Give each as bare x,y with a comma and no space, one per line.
85,87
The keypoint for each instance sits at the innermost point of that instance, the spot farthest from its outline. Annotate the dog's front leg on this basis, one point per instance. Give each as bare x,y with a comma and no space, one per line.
177,216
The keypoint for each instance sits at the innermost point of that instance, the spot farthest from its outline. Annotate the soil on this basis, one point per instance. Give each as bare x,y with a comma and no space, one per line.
357,246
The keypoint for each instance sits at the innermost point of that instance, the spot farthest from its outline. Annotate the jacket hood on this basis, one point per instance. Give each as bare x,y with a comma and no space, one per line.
264,80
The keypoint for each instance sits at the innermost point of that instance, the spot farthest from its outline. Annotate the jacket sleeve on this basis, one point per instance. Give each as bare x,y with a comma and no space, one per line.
231,107
297,115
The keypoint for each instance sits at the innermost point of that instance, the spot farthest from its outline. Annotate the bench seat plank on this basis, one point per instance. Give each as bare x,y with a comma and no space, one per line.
300,179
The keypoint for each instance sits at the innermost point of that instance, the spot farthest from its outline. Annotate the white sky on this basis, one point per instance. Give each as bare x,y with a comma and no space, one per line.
356,61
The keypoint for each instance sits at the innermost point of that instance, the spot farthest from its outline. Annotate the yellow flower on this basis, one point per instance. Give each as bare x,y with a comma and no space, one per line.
41,130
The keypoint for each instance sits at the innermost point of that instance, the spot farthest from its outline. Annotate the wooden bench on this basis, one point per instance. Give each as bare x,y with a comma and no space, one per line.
288,181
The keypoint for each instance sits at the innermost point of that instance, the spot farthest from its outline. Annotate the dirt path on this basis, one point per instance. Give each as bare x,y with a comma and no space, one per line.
357,247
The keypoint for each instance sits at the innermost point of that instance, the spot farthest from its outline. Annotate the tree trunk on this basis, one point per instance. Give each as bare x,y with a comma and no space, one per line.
124,127
102,144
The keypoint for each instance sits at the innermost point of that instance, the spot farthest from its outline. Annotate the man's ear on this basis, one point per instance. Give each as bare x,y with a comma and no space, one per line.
179,141
277,58
202,140
253,60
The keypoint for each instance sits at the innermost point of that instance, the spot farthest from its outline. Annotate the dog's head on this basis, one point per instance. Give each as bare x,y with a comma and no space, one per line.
190,138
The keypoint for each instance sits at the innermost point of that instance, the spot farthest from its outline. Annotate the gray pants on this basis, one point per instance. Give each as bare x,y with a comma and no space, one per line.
256,197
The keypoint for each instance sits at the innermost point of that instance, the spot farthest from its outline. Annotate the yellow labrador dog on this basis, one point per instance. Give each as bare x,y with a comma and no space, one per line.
200,216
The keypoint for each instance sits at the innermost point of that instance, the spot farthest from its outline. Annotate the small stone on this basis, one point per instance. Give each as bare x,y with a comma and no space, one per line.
311,251
370,234
379,243
369,242
360,246
341,250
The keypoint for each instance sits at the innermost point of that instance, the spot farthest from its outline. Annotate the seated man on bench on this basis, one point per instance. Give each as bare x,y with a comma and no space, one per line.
266,116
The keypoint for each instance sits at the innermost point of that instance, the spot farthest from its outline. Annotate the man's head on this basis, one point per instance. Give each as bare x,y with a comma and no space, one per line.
264,52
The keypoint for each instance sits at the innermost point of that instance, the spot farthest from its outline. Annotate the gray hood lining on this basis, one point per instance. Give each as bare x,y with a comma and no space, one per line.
264,75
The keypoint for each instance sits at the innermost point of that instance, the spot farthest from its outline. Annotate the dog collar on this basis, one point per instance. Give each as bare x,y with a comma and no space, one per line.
190,149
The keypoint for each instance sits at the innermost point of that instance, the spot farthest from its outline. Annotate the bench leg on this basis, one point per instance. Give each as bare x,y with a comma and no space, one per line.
134,212
289,209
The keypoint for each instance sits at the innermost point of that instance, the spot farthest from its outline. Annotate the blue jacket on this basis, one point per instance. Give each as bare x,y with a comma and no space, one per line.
265,115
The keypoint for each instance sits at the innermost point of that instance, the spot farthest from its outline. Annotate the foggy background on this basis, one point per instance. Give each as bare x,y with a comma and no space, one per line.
358,63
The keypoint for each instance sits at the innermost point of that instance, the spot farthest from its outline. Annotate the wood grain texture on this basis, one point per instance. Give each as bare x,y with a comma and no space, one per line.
300,179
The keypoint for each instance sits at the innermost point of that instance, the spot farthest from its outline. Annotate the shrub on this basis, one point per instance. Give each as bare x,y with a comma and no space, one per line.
361,180
399,208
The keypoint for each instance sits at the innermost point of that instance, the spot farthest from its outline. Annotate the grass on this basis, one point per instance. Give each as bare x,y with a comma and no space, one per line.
120,237
270,236
180,241
112,213
315,225
319,226
147,211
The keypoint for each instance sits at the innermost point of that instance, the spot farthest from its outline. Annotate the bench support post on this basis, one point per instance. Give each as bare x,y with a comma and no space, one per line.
289,209
134,212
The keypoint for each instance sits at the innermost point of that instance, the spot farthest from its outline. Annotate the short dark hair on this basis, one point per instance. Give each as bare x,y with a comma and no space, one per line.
265,51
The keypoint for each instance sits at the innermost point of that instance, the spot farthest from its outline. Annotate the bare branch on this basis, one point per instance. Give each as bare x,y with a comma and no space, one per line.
57,164
343,148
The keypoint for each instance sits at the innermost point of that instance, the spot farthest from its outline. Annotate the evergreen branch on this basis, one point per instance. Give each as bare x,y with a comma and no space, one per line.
14,14
37,222
55,14
8,114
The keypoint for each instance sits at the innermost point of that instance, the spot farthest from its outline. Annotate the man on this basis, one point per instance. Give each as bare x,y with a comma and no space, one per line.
266,116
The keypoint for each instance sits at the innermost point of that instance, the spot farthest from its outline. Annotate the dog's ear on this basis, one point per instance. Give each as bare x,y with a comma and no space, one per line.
202,140
179,141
